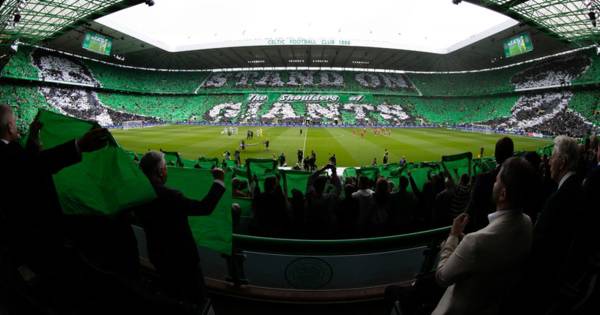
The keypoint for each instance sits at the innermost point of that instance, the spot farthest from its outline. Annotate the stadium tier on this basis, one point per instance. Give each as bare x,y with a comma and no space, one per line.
551,96
572,69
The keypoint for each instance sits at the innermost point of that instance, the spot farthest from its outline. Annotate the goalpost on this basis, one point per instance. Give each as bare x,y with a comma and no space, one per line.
482,128
133,124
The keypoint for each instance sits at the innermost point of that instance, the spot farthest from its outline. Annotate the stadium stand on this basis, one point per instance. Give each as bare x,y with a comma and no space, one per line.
20,65
378,98
25,100
135,80
465,84
462,110
553,72
576,69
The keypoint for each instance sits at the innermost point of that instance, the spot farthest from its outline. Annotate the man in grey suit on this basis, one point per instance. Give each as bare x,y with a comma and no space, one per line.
481,269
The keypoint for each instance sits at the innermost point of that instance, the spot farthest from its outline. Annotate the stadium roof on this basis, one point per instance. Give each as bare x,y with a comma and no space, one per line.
35,20
435,26
569,20
554,25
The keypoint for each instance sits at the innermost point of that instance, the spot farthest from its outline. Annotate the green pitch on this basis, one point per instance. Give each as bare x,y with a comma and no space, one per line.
350,149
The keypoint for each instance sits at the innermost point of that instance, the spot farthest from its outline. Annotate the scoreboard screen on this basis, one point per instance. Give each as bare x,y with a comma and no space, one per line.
517,45
97,43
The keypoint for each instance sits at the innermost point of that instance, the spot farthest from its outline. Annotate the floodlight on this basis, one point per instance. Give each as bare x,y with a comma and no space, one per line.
456,1
17,17
592,16
150,2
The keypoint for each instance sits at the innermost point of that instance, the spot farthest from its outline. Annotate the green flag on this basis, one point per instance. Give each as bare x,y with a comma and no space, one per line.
349,172
208,163
458,164
213,231
104,182
295,180
419,172
371,172
262,168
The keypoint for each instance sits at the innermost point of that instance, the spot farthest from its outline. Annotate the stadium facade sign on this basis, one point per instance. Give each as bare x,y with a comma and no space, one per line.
308,41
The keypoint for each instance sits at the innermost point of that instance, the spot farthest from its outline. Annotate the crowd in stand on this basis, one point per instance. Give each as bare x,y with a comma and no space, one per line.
527,224
554,72
546,113
531,215
85,104
57,68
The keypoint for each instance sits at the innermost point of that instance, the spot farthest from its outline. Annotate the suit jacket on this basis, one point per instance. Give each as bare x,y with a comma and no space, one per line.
481,269
30,211
171,245
561,218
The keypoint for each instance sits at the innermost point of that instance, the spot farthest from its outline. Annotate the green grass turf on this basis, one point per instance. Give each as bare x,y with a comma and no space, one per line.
351,150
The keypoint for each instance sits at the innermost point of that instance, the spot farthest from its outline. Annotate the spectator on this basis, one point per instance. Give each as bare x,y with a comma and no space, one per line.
480,203
404,206
31,219
347,212
171,246
270,208
558,222
333,160
481,268
298,208
380,209
320,203
542,190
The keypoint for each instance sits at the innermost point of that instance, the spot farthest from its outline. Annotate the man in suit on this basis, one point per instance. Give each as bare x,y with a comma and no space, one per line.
562,218
480,203
31,219
171,246
485,265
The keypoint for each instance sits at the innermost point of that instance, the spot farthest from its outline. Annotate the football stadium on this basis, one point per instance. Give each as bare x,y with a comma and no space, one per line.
314,157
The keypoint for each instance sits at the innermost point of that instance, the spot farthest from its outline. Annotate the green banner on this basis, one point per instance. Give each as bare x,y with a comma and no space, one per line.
104,182
213,231
458,164
295,180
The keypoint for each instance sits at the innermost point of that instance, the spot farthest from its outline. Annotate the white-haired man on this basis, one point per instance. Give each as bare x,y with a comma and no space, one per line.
556,228
171,246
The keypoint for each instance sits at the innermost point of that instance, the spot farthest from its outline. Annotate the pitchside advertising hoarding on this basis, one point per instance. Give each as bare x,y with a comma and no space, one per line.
517,45
97,43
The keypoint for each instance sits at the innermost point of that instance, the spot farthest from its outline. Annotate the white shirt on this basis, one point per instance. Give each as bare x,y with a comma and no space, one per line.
362,193
5,141
220,182
494,215
564,178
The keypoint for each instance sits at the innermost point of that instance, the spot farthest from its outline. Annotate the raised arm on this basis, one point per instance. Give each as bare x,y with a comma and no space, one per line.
55,159
205,206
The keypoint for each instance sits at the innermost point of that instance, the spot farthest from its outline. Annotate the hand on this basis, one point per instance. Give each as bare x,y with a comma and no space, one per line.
93,140
218,173
458,226
35,127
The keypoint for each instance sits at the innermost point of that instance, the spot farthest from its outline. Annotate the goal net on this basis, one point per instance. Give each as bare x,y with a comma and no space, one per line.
133,124
482,128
